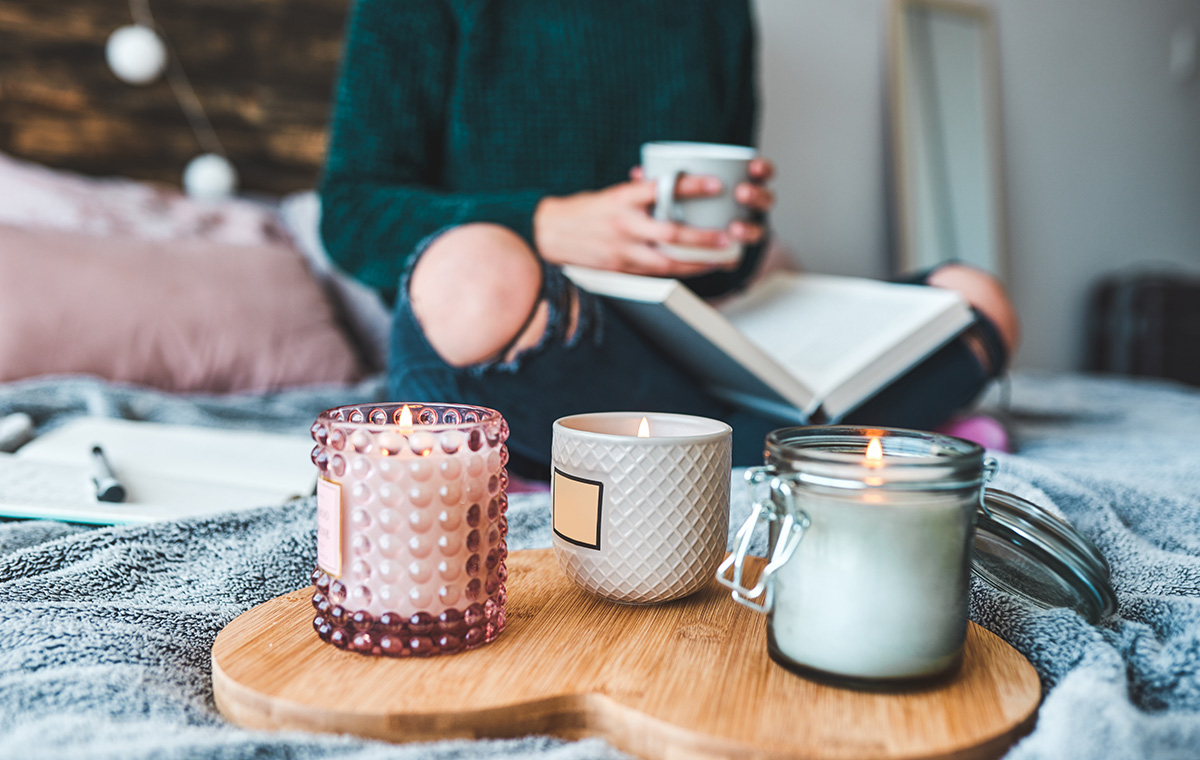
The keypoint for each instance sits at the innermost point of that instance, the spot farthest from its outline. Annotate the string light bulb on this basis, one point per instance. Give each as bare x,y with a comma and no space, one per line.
139,54
136,54
209,177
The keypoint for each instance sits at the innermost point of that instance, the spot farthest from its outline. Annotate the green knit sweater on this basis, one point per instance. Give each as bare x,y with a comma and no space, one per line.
456,111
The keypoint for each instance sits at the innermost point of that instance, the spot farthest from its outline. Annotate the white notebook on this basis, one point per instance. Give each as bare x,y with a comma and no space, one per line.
169,471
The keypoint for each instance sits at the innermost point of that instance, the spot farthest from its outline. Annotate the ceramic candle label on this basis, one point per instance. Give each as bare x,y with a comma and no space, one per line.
329,526
576,506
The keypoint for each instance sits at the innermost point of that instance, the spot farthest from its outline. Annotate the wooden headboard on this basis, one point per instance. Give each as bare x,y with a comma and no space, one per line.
263,69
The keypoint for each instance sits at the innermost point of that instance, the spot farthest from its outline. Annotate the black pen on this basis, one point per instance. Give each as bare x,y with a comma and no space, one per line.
108,488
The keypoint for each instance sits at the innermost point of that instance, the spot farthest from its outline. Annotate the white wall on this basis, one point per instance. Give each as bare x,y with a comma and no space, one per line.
1102,146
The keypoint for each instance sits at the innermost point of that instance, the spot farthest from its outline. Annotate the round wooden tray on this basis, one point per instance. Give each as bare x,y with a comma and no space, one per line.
686,679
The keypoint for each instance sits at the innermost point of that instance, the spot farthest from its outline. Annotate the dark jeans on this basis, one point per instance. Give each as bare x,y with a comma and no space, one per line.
607,366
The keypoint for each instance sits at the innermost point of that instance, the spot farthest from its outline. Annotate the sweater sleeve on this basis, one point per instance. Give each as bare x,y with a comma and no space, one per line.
742,126
379,192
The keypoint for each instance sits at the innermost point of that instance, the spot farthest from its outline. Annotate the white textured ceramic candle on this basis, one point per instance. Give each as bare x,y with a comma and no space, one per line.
643,519
871,573
411,528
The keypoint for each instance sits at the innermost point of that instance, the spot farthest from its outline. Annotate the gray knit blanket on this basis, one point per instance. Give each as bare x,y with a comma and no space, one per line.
105,633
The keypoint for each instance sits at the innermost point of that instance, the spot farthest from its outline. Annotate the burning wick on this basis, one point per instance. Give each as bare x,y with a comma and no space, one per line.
873,461
406,426
644,429
874,453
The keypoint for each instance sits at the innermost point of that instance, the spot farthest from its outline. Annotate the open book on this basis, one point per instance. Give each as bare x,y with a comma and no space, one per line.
792,345
168,471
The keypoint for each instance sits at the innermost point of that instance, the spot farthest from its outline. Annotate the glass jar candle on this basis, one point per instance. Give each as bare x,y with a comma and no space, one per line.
411,528
871,533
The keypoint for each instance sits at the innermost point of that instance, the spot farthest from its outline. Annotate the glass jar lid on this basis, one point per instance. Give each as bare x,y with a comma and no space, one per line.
838,456
1024,550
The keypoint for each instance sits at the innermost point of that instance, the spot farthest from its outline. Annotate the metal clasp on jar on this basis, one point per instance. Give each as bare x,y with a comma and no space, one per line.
792,522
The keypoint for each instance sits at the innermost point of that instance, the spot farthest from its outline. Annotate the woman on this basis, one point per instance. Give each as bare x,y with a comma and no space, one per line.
478,145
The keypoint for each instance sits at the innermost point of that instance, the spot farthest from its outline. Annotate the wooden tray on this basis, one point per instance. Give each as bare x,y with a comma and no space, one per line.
686,679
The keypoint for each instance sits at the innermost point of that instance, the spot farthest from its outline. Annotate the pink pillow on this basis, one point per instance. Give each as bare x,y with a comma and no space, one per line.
37,197
180,316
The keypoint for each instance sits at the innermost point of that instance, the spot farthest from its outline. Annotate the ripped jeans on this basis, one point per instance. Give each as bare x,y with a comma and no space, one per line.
605,365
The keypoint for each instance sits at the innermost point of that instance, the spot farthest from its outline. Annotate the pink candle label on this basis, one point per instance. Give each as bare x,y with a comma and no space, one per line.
329,526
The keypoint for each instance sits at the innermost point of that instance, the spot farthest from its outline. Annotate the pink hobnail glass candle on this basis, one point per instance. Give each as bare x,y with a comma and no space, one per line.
411,528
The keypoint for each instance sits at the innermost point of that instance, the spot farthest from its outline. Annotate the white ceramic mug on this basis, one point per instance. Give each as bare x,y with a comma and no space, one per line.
640,520
665,162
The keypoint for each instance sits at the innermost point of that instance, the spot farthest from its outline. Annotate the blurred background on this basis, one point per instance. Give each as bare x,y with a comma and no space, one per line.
1095,116
1101,146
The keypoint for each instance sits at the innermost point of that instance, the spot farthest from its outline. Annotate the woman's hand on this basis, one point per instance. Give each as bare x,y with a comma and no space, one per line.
613,229
754,195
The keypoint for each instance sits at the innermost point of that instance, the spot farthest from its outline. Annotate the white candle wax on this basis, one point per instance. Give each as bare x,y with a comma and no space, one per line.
878,586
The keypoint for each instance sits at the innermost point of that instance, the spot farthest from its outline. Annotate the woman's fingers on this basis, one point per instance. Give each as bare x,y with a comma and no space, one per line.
638,193
754,196
746,232
761,170
647,260
697,186
647,229
687,186
642,227
639,254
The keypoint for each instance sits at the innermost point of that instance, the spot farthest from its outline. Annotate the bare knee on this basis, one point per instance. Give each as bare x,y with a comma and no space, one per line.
985,293
473,290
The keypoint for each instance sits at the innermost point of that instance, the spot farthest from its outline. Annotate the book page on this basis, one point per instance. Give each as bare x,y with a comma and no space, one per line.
804,340
701,340
828,329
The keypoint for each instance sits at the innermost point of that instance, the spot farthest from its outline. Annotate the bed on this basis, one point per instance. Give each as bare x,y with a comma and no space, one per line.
107,631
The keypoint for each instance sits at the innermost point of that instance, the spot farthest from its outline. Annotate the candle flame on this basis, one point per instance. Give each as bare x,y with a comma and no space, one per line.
644,429
874,453
406,417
